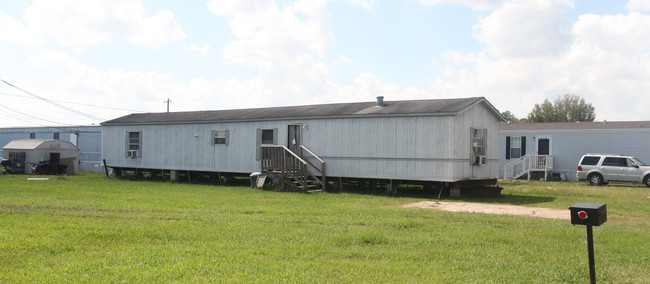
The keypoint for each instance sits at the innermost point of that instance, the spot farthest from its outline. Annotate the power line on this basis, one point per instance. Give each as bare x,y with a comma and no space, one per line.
55,104
33,117
73,103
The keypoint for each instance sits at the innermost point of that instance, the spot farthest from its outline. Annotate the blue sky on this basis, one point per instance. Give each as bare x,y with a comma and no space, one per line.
108,58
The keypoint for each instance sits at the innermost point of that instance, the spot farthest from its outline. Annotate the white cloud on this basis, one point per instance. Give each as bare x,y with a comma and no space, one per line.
342,60
157,30
203,48
618,33
366,4
14,31
266,32
602,58
286,44
526,28
87,23
458,57
638,5
481,5
71,81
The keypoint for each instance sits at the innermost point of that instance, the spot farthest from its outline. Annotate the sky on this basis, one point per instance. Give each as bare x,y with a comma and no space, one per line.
82,62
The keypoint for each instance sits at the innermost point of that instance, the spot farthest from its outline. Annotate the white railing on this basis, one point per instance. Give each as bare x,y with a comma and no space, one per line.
91,166
527,164
516,168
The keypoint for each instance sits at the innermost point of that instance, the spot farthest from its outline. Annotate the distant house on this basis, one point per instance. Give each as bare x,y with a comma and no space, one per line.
420,141
23,154
86,138
553,150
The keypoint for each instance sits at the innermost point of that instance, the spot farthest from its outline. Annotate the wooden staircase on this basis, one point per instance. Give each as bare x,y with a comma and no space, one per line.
303,170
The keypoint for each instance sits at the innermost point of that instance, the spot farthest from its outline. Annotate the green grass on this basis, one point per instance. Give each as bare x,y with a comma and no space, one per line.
89,228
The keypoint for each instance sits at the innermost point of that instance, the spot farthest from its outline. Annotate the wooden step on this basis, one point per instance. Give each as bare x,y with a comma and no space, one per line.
308,186
298,181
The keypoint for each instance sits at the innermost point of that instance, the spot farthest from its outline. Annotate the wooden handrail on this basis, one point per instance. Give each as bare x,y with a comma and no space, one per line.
320,169
279,159
303,148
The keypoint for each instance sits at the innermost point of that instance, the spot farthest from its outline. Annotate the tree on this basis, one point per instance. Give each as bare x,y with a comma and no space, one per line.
567,108
509,117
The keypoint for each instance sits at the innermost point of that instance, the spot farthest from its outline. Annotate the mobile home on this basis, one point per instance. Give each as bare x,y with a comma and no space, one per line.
418,141
553,150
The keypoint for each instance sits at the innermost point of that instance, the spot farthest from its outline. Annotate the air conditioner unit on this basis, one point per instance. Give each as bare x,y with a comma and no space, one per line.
133,153
482,160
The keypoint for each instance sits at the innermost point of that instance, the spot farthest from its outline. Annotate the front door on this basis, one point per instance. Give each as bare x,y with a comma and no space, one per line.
294,138
543,146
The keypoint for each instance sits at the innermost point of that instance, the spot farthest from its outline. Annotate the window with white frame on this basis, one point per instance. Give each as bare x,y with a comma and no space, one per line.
478,141
133,144
479,151
220,137
515,147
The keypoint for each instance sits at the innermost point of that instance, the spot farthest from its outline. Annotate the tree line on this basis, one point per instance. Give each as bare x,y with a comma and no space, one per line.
566,108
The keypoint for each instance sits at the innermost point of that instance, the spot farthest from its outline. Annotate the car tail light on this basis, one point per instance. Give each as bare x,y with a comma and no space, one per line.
579,168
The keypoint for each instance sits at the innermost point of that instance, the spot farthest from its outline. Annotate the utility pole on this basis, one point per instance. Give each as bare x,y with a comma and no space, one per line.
167,102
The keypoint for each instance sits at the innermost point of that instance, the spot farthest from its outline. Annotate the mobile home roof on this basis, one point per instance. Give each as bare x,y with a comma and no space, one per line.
577,125
390,108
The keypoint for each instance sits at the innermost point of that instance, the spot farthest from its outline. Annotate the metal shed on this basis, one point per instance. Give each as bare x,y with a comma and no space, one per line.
86,138
444,140
27,152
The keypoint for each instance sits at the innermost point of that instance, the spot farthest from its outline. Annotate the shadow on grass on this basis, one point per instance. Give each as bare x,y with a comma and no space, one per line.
433,194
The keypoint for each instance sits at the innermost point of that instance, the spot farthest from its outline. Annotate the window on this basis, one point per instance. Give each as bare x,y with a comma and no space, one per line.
220,137
515,147
267,136
133,144
631,163
479,151
56,136
590,160
134,140
615,162
32,135
478,141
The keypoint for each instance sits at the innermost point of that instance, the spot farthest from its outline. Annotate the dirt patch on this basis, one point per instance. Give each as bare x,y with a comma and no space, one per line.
507,209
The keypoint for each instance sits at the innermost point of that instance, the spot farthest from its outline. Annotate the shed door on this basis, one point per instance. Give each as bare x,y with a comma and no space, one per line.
18,162
294,138
543,146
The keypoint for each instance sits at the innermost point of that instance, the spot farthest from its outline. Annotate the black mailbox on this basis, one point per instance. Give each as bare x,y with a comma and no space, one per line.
591,214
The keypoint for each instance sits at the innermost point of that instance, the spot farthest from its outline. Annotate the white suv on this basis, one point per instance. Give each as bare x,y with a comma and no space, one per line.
601,169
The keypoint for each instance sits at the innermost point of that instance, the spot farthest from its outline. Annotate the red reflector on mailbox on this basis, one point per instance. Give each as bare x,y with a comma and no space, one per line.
592,214
583,215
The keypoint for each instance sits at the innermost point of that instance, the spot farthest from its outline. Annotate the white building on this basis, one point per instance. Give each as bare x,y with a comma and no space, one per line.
23,154
556,148
443,141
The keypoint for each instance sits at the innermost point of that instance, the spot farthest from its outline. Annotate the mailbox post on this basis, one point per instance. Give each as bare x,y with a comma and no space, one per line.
589,214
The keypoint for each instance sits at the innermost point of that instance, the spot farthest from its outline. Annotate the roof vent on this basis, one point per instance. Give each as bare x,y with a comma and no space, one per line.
380,101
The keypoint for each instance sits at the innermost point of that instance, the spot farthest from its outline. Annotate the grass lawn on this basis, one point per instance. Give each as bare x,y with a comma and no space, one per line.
88,228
